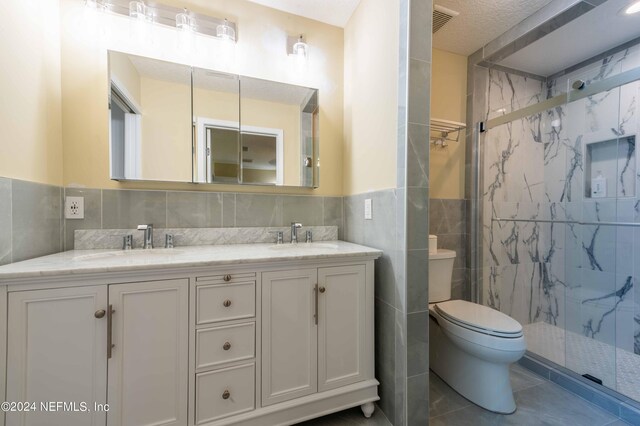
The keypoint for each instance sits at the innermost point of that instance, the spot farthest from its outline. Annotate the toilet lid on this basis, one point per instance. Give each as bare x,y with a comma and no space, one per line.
480,318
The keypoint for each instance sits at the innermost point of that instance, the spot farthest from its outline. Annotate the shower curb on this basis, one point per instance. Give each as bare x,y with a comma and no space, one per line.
609,400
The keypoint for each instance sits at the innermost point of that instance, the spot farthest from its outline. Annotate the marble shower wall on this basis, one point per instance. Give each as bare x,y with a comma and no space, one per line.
582,277
448,220
30,220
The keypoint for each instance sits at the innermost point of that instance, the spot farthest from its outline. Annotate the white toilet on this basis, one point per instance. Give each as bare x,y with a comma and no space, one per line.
471,346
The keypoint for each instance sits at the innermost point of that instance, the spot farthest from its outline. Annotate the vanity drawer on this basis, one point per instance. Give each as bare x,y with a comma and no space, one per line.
224,302
229,343
227,278
224,393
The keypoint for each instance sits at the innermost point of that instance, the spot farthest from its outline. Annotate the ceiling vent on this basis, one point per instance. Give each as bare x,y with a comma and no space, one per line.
442,15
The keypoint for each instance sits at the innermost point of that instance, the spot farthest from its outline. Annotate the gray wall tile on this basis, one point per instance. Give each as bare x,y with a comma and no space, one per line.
194,209
419,91
420,35
354,219
124,209
92,213
417,218
417,343
258,210
333,214
37,220
417,162
229,210
417,277
418,399
307,210
5,221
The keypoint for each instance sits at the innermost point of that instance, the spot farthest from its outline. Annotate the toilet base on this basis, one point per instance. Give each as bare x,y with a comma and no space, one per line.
484,383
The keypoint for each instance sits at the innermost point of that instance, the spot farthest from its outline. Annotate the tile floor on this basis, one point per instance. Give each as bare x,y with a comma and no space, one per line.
540,402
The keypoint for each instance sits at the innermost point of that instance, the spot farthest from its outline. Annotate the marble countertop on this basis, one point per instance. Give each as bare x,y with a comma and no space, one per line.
77,262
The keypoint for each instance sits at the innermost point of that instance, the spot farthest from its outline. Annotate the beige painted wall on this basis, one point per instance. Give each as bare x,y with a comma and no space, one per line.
30,116
371,40
448,102
260,52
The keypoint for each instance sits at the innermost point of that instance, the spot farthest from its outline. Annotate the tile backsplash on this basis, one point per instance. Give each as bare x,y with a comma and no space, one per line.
32,220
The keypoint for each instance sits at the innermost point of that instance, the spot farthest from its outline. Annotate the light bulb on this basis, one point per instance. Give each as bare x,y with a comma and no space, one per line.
138,10
633,8
225,32
300,48
185,22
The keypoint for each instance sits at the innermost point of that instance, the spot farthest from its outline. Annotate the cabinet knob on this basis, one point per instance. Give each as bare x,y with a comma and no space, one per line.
100,313
322,289
226,303
227,277
226,394
226,346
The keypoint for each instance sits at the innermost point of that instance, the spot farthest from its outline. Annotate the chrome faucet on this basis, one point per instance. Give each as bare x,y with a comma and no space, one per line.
294,231
148,235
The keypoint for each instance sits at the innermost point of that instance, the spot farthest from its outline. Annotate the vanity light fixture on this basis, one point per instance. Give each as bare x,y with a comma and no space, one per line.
138,10
185,22
633,8
299,47
159,13
225,32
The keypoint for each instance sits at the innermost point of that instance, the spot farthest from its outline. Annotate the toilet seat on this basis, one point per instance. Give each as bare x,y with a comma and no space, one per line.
479,318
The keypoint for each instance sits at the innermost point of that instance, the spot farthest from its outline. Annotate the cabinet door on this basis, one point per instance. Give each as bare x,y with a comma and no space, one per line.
341,326
148,370
289,335
57,352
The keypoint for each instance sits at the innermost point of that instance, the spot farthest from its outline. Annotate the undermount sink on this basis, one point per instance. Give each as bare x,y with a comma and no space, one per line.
129,253
304,246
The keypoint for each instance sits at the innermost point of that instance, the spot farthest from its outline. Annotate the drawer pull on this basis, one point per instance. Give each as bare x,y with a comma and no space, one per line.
226,303
226,346
322,289
227,277
100,313
226,394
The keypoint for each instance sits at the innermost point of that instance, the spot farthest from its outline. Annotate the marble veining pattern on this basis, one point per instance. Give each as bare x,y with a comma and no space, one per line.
581,278
113,238
80,262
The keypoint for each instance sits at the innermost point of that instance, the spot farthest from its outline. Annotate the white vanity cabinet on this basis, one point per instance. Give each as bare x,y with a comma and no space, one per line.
57,350
247,343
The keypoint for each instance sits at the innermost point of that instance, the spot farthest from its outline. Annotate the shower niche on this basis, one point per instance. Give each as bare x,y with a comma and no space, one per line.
610,168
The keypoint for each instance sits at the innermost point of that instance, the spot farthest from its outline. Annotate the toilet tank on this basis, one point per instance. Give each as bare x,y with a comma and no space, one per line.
440,272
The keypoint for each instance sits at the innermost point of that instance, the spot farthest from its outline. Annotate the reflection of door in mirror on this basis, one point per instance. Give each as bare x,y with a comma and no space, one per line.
150,113
262,156
125,131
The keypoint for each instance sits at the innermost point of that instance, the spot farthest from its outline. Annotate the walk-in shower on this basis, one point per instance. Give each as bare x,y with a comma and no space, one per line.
557,256
555,188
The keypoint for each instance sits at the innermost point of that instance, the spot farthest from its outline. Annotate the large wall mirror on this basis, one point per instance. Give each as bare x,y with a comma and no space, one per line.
172,122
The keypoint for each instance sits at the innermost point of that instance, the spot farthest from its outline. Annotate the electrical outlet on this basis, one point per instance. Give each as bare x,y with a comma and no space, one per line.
74,208
368,209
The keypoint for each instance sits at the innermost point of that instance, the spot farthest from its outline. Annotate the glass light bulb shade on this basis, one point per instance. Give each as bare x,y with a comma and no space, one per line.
300,49
185,22
138,10
225,32
633,8
91,4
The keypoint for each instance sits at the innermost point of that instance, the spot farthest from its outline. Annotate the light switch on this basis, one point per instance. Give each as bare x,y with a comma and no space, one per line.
368,209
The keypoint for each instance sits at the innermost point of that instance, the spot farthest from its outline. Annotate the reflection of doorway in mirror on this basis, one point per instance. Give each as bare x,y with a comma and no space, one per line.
226,155
124,134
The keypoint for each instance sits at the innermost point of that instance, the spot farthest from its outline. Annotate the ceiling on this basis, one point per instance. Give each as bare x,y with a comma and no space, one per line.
596,31
480,21
333,12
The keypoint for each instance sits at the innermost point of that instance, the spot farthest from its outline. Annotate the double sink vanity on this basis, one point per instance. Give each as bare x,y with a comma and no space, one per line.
247,334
